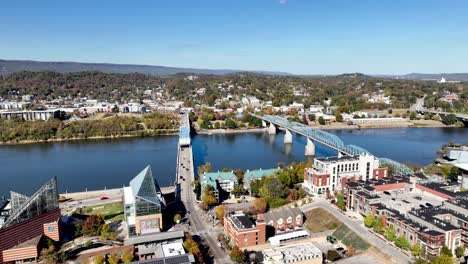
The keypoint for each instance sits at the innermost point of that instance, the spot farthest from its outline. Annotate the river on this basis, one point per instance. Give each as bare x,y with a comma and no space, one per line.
110,163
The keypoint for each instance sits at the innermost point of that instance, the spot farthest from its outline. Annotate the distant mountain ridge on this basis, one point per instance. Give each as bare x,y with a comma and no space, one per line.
11,66
430,76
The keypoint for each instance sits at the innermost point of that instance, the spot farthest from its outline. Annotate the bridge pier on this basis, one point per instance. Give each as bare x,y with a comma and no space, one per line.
272,129
287,137
264,124
310,148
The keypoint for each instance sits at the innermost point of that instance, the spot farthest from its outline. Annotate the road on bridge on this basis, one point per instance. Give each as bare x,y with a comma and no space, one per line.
198,226
359,229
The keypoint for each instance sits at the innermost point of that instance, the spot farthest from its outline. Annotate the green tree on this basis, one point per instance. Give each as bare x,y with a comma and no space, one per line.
255,186
412,115
442,259
390,233
321,120
401,242
177,218
379,225
332,255
459,252
446,251
449,119
416,250
231,124
237,255
341,203
369,220
339,117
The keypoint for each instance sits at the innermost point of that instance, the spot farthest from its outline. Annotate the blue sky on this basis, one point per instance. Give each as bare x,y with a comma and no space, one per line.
297,36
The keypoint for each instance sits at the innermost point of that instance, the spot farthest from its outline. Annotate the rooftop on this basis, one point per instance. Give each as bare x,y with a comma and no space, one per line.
242,221
284,214
292,253
336,159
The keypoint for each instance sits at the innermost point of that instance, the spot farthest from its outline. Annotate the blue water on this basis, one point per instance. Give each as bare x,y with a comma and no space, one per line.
95,164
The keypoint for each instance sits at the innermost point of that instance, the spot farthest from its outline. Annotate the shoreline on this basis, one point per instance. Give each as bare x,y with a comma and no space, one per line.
236,131
54,140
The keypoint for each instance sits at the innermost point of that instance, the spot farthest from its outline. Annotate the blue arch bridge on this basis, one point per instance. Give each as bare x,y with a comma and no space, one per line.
324,138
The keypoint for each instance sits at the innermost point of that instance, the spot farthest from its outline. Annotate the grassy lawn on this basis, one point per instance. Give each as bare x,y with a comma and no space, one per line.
319,220
348,237
111,211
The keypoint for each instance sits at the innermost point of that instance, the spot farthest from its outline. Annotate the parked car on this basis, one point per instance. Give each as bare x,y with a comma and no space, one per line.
104,198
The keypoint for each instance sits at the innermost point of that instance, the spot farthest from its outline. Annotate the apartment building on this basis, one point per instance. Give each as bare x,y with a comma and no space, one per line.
243,231
328,175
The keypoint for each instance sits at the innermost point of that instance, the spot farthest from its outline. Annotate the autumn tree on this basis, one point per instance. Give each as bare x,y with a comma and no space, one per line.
260,205
113,259
92,225
237,255
127,256
220,212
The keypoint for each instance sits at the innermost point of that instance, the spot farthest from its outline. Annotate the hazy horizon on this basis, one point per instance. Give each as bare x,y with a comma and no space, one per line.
294,36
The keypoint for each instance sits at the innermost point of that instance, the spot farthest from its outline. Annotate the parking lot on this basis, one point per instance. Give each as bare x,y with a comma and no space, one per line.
403,201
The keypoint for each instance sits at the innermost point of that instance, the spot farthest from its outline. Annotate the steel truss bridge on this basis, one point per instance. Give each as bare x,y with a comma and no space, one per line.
330,140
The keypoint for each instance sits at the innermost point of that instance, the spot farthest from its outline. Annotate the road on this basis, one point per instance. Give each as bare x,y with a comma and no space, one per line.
198,226
358,228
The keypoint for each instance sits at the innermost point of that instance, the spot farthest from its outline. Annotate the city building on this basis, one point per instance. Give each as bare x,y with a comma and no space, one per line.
330,174
33,115
313,109
251,175
454,155
222,182
243,231
428,215
163,247
463,175
284,220
297,253
31,218
143,204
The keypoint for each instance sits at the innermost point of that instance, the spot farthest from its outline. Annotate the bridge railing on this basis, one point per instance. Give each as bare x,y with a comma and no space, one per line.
333,141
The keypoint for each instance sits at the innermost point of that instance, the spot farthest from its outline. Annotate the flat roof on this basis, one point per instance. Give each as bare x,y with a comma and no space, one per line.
129,198
291,235
155,237
293,253
242,221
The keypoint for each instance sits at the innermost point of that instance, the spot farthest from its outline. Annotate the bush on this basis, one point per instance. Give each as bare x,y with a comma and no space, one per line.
332,255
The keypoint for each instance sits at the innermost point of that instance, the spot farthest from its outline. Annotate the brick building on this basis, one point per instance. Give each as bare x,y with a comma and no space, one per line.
328,175
243,231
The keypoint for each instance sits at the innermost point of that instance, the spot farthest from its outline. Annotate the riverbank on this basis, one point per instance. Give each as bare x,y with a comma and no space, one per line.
51,140
339,126
231,131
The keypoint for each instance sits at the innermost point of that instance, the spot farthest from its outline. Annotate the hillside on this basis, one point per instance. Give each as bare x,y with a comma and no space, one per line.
11,66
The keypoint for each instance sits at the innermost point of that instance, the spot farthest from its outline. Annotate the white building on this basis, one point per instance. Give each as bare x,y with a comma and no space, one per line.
329,174
297,253
316,109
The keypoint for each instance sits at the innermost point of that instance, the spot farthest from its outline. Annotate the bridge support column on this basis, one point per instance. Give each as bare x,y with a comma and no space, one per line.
287,137
310,148
264,124
272,129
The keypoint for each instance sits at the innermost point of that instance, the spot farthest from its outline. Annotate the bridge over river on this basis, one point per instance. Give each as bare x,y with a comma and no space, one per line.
325,138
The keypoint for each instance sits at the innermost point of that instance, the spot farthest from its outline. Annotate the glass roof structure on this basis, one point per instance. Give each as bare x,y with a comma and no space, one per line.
42,201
